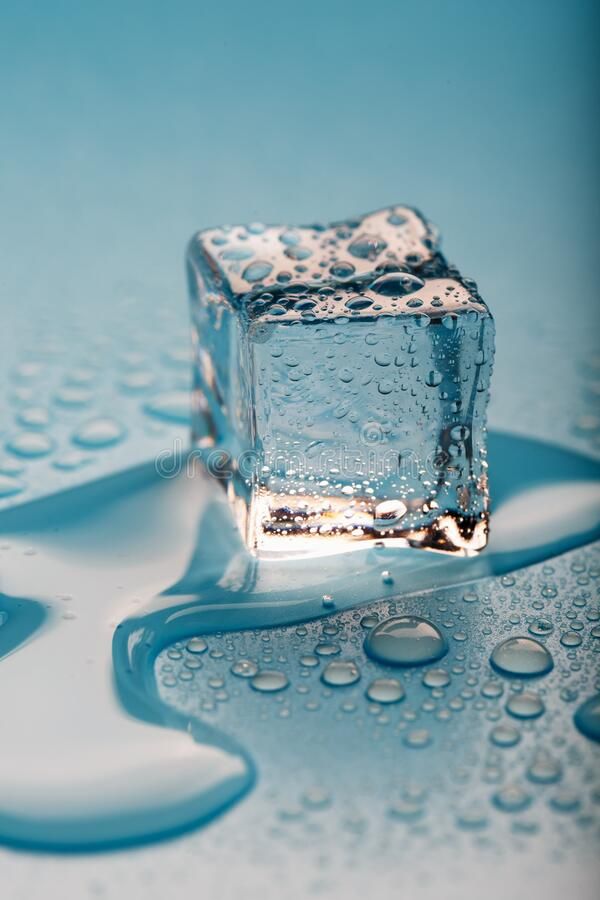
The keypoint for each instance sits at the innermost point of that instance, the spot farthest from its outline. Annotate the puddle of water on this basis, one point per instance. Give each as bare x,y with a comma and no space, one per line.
87,759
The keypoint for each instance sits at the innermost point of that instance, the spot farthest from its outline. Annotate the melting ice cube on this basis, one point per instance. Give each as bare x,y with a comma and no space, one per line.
341,384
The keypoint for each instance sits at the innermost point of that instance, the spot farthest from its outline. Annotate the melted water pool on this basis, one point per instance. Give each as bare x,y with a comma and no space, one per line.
131,587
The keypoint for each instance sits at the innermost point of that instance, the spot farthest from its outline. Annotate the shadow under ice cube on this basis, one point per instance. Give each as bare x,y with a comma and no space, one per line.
342,373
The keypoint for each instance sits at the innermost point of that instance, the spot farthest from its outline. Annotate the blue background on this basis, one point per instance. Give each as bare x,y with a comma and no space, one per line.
126,126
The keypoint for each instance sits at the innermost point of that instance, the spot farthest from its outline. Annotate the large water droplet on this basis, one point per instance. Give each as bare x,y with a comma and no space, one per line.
521,657
406,641
587,718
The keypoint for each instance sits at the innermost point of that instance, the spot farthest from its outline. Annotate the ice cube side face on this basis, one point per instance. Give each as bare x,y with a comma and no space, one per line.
340,385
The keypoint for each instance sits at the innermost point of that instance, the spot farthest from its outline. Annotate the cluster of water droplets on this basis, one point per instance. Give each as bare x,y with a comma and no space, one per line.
470,705
119,398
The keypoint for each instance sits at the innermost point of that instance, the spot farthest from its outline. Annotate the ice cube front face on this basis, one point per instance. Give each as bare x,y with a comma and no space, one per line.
340,385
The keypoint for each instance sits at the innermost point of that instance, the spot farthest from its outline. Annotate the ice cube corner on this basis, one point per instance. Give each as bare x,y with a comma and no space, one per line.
343,372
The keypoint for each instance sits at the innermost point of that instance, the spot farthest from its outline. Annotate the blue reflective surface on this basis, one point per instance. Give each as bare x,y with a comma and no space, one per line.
123,132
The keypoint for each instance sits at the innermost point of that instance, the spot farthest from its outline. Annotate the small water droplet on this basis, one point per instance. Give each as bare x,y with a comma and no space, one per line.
10,486
340,672
30,445
170,406
244,668
269,681
436,678
525,705
196,645
505,736
99,433
385,690
511,798
544,769
417,738
541,627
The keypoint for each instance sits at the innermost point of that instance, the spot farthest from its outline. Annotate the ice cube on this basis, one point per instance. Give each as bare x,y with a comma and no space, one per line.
340,385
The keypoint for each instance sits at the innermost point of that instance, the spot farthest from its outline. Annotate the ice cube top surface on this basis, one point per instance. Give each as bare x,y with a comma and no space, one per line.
352,363
246,259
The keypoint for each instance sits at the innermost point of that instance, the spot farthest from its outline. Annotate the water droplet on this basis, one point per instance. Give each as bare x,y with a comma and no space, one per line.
70,460
388,513
34,417
541,627
138,380
525,705
472,818
269,681
521,657
73,395
417,738
196,645
358,302
570,639
10,486
244,668
397,284
257,271
436,678
340,672
237,253
505,736
171,406
316,798
492,689
544,769
30,444
434,378
342,270
406,809
326,648
405,641
385,690
367,246
565,800
369,621
587,718
511,798
98,433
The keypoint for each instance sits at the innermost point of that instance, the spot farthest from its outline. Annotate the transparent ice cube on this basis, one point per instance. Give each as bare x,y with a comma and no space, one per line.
341,383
